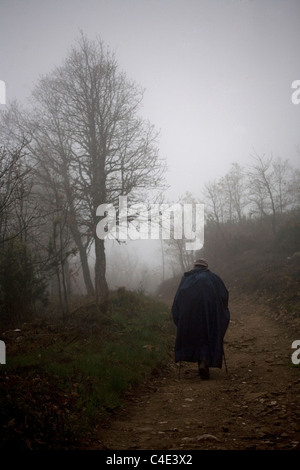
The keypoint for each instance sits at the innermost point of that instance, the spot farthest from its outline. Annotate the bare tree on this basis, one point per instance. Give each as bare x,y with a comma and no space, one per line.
294,189
232,192
214,201
176,245
51,149
283,181
269,186
16,214
89,133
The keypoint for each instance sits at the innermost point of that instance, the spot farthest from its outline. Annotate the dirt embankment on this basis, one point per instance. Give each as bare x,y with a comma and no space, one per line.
255,406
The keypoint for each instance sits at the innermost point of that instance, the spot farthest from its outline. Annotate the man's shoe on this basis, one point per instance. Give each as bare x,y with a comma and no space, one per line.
203,371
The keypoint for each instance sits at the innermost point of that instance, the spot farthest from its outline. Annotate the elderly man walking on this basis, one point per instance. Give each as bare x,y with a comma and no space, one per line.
200,312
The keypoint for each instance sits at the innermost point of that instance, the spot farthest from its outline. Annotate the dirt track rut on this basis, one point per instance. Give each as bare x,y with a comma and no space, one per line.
255,406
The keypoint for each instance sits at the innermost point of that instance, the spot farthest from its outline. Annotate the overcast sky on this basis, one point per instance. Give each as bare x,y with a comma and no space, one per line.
217,74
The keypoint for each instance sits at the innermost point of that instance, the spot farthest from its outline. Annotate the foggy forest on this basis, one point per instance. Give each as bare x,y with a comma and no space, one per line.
86,324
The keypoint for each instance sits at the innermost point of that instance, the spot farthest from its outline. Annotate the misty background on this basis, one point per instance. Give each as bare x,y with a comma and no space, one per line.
217,77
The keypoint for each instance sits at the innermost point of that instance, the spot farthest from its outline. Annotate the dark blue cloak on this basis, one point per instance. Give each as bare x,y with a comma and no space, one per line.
200,312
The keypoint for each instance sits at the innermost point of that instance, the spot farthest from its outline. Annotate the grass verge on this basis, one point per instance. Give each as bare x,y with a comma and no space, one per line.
60,381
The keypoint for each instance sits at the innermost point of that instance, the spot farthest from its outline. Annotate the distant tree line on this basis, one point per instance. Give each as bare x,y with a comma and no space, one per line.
251,213
268,187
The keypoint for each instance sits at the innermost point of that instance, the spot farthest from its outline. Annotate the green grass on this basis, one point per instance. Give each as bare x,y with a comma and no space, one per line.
67,381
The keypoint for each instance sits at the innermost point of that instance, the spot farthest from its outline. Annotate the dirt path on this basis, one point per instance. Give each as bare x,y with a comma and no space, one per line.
256,406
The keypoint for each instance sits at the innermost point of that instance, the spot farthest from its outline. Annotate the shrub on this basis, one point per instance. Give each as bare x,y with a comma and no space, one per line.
20,284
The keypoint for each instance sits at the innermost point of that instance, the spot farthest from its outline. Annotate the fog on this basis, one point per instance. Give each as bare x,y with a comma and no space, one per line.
217,75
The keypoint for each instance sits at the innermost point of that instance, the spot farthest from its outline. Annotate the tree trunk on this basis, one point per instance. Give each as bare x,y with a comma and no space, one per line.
84,261
78,237
100,271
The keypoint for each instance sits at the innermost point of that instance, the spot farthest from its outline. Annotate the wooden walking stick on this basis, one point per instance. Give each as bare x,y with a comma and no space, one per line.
225,362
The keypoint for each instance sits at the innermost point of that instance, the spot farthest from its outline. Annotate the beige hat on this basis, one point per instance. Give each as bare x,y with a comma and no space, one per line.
201,262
